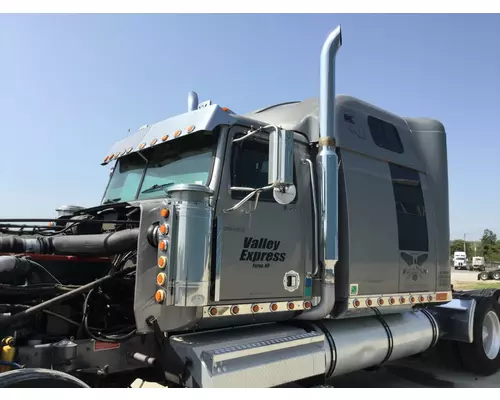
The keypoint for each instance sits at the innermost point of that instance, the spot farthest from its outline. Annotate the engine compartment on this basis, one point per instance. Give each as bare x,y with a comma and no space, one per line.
40,301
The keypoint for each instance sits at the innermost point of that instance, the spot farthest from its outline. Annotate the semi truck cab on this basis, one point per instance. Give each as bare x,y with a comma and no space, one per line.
310,238
270,218
460,260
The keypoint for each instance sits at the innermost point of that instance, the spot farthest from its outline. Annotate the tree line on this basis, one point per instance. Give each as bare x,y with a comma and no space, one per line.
488,247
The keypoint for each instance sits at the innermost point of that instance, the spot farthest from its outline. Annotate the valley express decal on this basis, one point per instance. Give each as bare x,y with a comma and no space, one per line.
263,249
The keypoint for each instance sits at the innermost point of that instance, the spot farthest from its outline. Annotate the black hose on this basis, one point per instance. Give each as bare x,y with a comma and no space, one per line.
102,338
105,244
102,244
69,220
59,299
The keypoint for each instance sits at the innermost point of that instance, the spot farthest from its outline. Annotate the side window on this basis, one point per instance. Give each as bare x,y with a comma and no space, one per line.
249,168
385,135
410,209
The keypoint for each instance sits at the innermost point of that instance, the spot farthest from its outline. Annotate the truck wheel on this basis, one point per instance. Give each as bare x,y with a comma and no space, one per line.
496,275
39,378
482,356
484,276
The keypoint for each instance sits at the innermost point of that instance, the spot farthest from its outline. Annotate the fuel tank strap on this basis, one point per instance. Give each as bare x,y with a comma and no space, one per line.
435,329
333,349
310,327
390,337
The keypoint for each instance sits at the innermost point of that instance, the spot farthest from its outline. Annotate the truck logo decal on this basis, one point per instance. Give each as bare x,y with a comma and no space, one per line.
351,126
253,251
414,270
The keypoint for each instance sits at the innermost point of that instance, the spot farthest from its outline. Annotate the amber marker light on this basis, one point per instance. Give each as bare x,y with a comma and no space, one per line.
160,296
165,212
441,296
212,311
161,278
235,310
162,261
177,133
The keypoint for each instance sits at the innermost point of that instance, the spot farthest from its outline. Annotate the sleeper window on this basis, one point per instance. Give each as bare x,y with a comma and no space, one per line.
385,135
410,209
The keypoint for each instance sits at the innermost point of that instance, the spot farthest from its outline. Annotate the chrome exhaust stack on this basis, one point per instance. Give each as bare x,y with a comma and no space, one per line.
327,167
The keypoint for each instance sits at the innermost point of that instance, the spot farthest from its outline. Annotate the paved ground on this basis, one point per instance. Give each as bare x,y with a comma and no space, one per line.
411,373
464,276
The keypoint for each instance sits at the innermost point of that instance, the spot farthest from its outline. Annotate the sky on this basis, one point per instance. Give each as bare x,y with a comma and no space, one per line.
71,85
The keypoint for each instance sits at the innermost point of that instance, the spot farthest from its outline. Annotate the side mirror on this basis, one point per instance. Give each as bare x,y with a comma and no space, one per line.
281,165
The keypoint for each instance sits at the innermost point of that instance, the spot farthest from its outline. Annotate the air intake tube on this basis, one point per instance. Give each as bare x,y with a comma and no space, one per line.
327,169
105,244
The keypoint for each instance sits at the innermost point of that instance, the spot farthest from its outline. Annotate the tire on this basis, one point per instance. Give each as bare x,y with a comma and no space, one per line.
484,276
496,275
482,356
39,378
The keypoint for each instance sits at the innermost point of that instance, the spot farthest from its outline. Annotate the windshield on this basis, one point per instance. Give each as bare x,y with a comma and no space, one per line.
184,160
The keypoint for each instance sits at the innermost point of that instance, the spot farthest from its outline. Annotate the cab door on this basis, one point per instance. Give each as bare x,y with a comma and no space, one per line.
263,248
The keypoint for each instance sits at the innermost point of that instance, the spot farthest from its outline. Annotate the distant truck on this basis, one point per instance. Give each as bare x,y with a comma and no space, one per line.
460,260
478,263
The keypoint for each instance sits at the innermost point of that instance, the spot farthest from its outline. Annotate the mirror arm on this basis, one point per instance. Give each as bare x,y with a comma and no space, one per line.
251,133
248,196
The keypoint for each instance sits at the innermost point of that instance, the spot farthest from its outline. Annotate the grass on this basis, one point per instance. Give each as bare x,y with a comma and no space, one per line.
476,285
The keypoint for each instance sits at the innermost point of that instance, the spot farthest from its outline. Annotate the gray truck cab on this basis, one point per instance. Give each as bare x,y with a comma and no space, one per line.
246,213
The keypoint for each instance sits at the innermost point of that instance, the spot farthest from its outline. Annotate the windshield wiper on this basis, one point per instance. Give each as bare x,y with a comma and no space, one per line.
108,201
156,187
